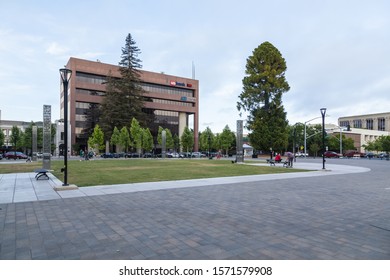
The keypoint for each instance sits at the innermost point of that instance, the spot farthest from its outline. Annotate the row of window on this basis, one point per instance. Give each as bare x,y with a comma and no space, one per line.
167,90
90,78
358,123
90,92
82,107
171,102
96,79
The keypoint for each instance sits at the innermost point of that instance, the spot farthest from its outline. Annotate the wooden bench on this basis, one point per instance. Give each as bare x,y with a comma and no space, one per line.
41,173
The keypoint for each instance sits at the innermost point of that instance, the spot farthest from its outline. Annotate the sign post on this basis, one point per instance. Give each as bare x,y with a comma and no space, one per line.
34,143
46,136
239,141
163,143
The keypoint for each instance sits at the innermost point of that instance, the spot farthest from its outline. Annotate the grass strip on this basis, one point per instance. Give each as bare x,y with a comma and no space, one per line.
123,171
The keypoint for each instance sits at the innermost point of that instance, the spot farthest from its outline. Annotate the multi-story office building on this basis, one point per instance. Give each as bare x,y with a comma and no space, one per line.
173,100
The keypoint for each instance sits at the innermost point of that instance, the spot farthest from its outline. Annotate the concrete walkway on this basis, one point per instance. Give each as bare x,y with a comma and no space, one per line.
23,187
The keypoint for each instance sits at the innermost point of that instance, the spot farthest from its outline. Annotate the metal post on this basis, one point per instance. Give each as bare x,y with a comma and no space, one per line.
65,77
341,143
305,140
323,111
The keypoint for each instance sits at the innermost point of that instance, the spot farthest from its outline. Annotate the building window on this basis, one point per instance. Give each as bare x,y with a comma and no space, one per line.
344,123
90,92
167,90
370,124
90,78
171,102
357,123
381,124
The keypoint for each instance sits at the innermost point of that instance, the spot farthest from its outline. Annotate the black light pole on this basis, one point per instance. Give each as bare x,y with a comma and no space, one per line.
65,77
323,112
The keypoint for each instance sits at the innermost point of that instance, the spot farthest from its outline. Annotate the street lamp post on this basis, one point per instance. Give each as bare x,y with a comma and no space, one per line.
65,77
323,112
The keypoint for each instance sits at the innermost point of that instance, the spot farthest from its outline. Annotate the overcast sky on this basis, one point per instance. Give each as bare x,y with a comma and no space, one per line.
337,52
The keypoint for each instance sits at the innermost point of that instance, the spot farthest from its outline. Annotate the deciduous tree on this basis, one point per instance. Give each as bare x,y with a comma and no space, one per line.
227,138
147,140
187,139
96,140
136,135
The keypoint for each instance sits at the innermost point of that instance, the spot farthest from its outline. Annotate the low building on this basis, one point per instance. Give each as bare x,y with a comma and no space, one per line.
6,128
359,136
378,121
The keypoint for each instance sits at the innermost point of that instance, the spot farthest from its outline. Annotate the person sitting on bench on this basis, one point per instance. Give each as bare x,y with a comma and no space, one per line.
278,158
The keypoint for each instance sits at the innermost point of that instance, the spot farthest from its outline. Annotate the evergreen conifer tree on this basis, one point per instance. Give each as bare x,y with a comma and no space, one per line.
261,97
124,100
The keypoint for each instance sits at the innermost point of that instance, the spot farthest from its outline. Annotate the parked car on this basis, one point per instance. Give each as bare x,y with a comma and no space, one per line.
132,155
15,155
185,155
148,155
370,155
330,154
351,154
197,155
107,155
299,154
383,156
172,155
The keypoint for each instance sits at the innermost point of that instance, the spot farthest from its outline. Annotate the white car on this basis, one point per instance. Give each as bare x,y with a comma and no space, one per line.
299,154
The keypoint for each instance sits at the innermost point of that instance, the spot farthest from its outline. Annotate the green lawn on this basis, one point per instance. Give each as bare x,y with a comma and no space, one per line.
118,171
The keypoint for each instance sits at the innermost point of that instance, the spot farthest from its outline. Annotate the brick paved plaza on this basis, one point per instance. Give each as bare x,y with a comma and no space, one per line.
325,215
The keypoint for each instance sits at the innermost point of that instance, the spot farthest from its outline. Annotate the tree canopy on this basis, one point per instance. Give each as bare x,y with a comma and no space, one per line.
123,100
263,87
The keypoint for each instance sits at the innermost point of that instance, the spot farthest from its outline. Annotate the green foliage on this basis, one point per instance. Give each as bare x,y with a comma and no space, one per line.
136,134
169,140
333,142
159,135
187,139
227,138
124,138
265,80
268,130
115,137
176,142
16,137
217,142
206,139
96,140
262,98
147,140
370,146
314,148
384,143
2,137
27,136
123,100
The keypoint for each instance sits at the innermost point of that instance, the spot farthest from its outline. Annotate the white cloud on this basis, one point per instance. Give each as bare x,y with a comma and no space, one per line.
55,48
